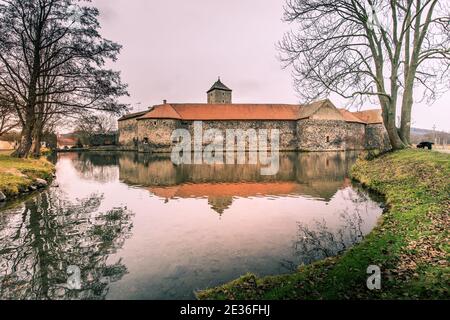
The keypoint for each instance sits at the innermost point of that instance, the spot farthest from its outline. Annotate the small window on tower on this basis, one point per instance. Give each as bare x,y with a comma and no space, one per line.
328,139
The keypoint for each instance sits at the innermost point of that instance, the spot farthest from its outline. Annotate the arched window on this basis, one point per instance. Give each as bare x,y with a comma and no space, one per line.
328,139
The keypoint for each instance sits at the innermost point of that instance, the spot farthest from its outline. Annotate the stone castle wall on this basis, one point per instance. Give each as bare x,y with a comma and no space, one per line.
154,135
330,135
127,132
288,139
377,137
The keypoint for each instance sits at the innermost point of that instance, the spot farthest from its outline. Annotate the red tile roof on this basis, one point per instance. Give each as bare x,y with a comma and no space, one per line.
224,112
164,111
370,116
192,112
350,117
221,112
133,115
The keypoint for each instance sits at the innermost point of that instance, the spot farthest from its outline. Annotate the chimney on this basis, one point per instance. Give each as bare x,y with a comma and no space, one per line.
164,101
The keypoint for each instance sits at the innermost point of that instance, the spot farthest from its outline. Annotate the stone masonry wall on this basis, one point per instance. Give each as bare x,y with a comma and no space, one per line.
288,138
377,137
219,96
154,135
355,138
329,135
158,132
127,131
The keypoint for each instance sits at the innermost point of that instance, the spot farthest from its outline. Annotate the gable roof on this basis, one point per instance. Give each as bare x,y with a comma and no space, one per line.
254,112
307,110
133,115
218,85
163,111
322,110
350,117
373,116
193,112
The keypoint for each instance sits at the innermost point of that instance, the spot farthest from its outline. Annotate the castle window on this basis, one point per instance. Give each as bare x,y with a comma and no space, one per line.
328,139
154,123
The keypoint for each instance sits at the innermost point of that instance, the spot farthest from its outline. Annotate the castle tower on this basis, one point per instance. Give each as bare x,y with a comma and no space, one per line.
219,93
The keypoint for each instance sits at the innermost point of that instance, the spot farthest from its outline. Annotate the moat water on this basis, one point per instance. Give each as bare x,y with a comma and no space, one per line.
134,226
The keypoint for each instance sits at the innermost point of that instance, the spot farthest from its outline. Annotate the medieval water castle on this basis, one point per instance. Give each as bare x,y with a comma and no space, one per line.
318,126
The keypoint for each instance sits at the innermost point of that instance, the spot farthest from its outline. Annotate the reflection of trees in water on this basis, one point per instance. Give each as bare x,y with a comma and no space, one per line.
101,167
38,244
319,240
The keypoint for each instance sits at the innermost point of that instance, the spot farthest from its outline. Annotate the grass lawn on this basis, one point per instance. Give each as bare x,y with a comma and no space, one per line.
16,175
411,243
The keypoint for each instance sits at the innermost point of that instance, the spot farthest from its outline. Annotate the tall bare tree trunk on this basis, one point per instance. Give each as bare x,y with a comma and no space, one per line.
39,126
389,113
392,131
37,139
407,103
26,138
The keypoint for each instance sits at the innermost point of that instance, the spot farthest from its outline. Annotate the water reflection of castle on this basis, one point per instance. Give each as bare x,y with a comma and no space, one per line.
317,175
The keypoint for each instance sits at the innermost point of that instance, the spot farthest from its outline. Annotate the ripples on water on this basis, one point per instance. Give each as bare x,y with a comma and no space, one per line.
138,227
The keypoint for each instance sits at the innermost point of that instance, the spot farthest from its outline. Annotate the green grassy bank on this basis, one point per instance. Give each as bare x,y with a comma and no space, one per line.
411,243
17,175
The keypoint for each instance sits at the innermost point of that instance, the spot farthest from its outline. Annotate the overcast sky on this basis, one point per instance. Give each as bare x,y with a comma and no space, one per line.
176,49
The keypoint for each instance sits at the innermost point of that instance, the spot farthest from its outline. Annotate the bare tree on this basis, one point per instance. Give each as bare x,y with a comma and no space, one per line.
363,49
37,268
8,119
99,123
52,59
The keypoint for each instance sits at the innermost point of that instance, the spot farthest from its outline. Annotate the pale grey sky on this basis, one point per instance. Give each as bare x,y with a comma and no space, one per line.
176,49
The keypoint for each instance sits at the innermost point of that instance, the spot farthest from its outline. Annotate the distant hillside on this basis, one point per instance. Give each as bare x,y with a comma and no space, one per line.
418,135
420,132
